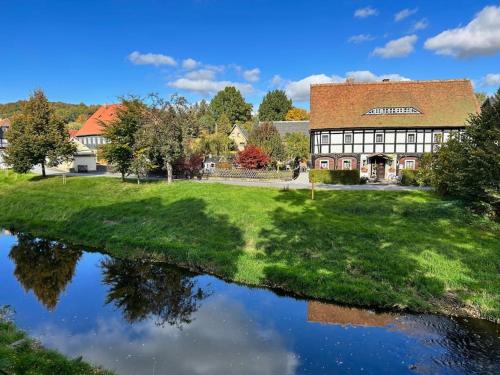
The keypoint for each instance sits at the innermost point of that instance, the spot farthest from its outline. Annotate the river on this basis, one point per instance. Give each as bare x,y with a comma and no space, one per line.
147,317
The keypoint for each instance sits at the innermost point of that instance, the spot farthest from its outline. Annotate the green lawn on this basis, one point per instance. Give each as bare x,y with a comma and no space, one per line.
405,249
28,357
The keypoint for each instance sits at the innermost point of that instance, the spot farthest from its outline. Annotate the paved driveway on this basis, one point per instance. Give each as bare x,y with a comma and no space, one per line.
302,182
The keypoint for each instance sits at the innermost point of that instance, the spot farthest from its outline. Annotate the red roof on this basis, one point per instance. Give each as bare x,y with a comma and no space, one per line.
93,126
4,122
72,133
440,103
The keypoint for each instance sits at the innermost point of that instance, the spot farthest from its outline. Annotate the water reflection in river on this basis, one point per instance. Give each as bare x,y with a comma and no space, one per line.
147,317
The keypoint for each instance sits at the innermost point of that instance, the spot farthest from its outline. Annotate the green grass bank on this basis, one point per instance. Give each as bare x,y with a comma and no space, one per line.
21,355
404,249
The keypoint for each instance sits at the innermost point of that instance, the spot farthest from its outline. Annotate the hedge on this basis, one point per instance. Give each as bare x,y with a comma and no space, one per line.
344,177
409,177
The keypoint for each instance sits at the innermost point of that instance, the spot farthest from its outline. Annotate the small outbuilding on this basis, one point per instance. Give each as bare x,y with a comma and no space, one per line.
84,160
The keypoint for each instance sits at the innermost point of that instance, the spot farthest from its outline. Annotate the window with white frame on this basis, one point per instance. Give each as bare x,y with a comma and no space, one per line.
346,164
325,139
409,164
323,164
347,138
379,138
438,137
393,111
410,138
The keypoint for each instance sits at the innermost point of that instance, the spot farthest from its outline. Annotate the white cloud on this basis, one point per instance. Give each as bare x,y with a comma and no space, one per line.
190,63
420,24
277,81
201,74
151,59
397,48
299,90
399,16
367,76
491,80
217,341
365,12
252,75
208,86
481,36
360,38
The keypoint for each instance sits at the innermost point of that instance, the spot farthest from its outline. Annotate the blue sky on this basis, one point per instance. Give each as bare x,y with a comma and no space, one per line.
94,51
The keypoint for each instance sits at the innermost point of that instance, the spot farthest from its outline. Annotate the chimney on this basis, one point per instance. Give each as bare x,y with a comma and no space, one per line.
386,80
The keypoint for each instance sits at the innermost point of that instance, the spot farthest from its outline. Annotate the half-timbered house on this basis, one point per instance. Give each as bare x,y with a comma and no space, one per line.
383,127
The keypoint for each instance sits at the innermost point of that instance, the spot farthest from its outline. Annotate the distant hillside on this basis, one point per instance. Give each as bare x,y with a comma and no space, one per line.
71,113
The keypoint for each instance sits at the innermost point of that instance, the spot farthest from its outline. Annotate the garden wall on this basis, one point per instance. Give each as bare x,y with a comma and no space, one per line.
249,174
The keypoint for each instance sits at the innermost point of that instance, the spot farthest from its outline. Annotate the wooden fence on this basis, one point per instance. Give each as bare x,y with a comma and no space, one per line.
249,174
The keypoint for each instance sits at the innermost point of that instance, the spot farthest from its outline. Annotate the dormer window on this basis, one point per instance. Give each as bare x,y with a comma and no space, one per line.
393,111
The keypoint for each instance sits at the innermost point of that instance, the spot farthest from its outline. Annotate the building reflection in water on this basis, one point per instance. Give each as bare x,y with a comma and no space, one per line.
318,312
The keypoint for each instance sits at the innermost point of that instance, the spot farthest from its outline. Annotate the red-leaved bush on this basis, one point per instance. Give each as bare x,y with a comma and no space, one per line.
252,157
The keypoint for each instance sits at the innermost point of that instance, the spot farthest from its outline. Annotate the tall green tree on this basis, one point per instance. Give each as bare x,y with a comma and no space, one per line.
274,106
296,146
231,102
266,137
467,165
120,134
207,123
223,125
37,136
162,133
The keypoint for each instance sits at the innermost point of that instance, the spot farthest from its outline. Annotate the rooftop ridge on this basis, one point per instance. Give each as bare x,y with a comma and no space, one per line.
392,82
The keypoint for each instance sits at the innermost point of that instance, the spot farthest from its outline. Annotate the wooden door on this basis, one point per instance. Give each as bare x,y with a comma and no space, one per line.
381,170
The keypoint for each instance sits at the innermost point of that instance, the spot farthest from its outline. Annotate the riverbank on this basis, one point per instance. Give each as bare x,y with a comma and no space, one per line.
390,249
21,355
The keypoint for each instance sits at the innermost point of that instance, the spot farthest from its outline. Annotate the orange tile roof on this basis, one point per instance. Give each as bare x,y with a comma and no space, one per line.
333,314
442,103
4,122
93,126
72,133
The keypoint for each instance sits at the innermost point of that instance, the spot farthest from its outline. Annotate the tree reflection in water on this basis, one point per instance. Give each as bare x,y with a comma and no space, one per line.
43,266
143,288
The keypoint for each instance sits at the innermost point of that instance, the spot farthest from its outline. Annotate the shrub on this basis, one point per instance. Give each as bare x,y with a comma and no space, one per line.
409,177
252,157
344,177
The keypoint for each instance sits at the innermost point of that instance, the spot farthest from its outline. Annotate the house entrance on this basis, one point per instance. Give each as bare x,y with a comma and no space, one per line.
378,162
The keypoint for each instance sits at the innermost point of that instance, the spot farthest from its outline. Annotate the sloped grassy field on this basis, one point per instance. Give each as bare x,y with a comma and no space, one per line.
390,249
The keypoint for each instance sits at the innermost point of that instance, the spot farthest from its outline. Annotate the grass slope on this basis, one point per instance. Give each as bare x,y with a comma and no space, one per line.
27,357
406,249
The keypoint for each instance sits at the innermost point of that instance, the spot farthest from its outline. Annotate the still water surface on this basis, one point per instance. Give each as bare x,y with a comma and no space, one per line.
146,317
